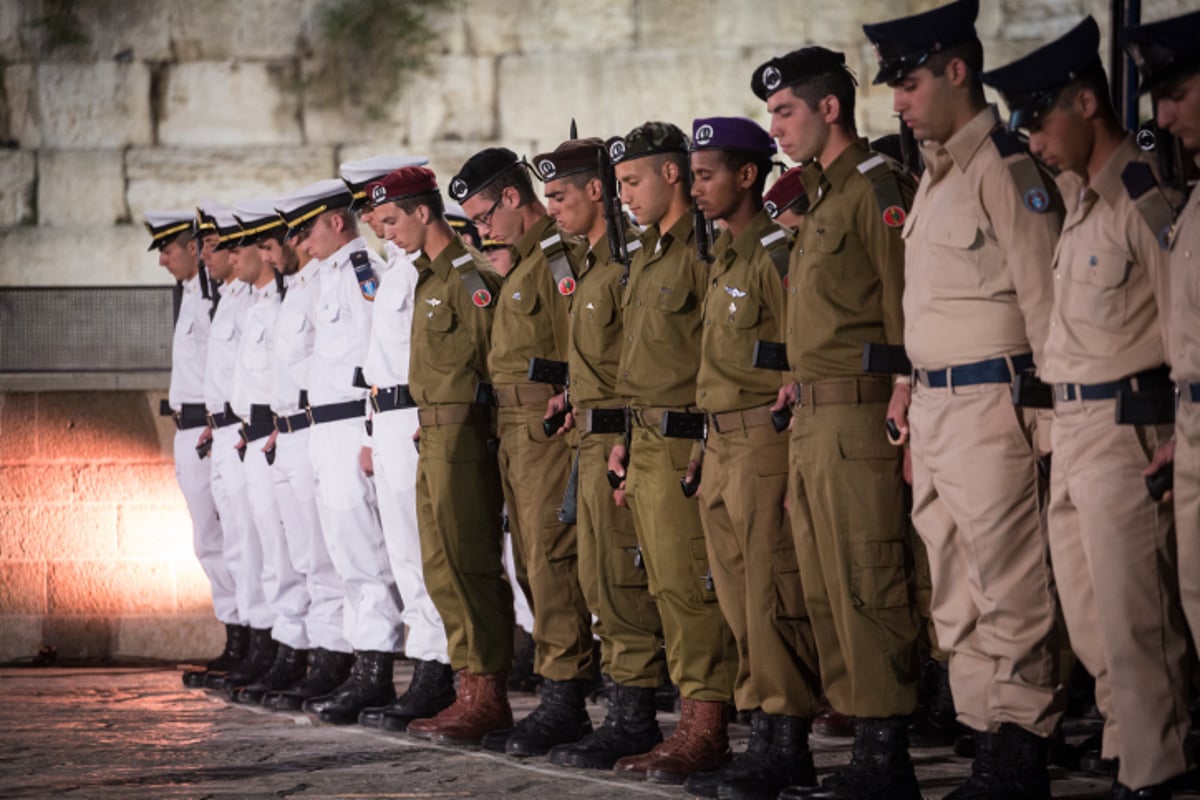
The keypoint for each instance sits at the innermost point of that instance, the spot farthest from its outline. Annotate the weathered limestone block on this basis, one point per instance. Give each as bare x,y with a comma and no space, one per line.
182,177
123,483
17,171
228,29
108,588
154,531
20,636
76,105
11,46
28,484
838,26
17,114
179,638
78,257
81,187
567,27
456,99
208,104
131,29
51,531
676,24
535,100
96,428
778,25
22,588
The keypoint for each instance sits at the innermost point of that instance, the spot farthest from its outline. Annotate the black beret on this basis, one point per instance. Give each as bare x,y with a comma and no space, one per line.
797,66
907,43
1164,51
480,170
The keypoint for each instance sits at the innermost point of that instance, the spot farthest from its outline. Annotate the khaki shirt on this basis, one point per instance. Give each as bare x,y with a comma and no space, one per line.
745,303
1183,342
978,259
662,310
847,269
1110,280
531,316
450,334
596,325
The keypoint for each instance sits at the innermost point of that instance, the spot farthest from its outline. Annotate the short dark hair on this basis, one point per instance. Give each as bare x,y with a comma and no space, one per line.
516,176
1095,80
432,200
837,83
971,53
736,159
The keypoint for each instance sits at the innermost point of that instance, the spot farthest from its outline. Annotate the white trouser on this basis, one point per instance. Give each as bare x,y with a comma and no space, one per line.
208,541
350,522
284,587
243,554
524,614
295,494
395,461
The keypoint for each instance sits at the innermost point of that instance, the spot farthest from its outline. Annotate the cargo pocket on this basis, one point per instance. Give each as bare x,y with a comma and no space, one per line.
558,537
879,578
629,566
705,588
789,591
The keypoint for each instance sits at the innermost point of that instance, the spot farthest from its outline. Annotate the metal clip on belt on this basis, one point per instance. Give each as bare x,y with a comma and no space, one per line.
992,370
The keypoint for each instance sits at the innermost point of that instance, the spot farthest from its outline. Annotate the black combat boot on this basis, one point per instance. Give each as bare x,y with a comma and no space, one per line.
936,724
431,690
369,684
522,678
259,658
629,728
327,670
879,767
788,762
560,718
237,642
289,667
1009,765
704,784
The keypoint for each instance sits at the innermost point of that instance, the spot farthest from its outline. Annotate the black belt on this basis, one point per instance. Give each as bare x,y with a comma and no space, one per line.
1191,391
296,422
190,415
392,398
993,370
222,420
604,420
332,412
261,413
256,431
1151,380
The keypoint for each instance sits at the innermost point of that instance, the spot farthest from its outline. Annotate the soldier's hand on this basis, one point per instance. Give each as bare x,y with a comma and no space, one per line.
270,445
906,467
205,435
692,476
1163,458
619,497
365,462
416,439
616,466
558,405
897,414
789,393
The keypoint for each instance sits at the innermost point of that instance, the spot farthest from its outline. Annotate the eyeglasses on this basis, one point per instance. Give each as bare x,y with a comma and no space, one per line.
484,220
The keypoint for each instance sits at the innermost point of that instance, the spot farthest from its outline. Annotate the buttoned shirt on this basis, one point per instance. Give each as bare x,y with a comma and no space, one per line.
343,329
252,373
745,303
1110,282
978,276
295,332
227,326
391,327
189,347
1184,322
846,275
662,308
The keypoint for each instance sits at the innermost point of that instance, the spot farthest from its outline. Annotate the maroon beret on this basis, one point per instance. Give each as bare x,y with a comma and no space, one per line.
786,192
402,184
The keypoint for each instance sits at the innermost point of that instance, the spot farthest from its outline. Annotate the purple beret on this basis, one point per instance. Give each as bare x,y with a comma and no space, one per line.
732,133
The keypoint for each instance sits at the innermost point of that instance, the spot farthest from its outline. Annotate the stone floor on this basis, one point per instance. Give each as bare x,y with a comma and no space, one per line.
134,734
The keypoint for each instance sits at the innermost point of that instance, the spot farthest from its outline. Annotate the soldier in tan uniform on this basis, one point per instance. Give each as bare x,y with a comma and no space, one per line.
743,490
496,192
976,304
1111,543
458,485
1169,63
610,570
846,492
662,308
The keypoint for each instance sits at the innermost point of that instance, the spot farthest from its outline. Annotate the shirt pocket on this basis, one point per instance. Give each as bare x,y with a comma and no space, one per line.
224,330
440,329
674,299
957,244
258,346
742,313
1096,292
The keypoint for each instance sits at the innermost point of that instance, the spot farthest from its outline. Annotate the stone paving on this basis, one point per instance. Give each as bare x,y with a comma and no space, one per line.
138,734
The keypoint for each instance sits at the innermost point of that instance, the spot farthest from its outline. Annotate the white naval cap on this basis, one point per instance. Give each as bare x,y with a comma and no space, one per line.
258,216
164,225
299,209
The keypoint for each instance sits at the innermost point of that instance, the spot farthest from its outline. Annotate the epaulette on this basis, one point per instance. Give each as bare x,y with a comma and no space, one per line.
1151,203
368,281
555,251
878,169
464,267
778,244
1014,151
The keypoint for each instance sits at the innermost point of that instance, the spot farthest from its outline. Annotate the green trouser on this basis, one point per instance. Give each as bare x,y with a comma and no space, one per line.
533,471
701,654
754,567
458,515
855,552
612,574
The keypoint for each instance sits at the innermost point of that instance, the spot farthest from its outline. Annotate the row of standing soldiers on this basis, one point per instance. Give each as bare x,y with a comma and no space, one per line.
703,435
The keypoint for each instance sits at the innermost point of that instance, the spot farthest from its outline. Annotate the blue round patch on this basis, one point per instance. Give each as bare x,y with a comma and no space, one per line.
1036,200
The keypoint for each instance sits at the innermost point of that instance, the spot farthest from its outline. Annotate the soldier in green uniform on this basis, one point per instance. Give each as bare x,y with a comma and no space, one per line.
846,491
742,493
496,192
460,541
662,309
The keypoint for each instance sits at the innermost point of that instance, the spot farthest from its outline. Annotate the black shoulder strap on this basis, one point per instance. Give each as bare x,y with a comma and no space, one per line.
555,250
464,267
778,245
1024,171
1147,196
878,169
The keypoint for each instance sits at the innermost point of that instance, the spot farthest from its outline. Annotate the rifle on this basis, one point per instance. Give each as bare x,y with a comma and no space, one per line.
614,217
704,235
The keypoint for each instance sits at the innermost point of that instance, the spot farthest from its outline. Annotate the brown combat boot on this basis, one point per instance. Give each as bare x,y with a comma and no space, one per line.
482,706
700,743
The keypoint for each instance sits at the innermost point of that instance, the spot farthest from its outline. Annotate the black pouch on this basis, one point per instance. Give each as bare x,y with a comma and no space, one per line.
770,355
682,425
886,359
1030,392
545,370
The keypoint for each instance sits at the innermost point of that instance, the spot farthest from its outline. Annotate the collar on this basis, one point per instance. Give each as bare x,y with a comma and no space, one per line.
233,288
531,238
746,243
341,256
1108,183
266,291
192,284
683,230
963,145
846,164
443,265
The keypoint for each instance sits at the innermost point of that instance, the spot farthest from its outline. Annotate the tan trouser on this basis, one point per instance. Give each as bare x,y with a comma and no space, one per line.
1187,509
701,654
977,507
613,576
855,555
534,472
755,570
1114,559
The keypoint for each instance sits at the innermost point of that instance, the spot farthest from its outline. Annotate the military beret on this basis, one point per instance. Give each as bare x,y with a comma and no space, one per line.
796,67
572,157
164,226
1164,51
302,207
258,219
906,43
480,170
647,139
732,133
357,174
1031,84
785,193
402,184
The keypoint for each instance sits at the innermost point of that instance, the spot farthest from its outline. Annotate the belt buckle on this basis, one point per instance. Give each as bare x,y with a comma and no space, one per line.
716,425
1062,392
308,413
212,421
375,400
799,395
